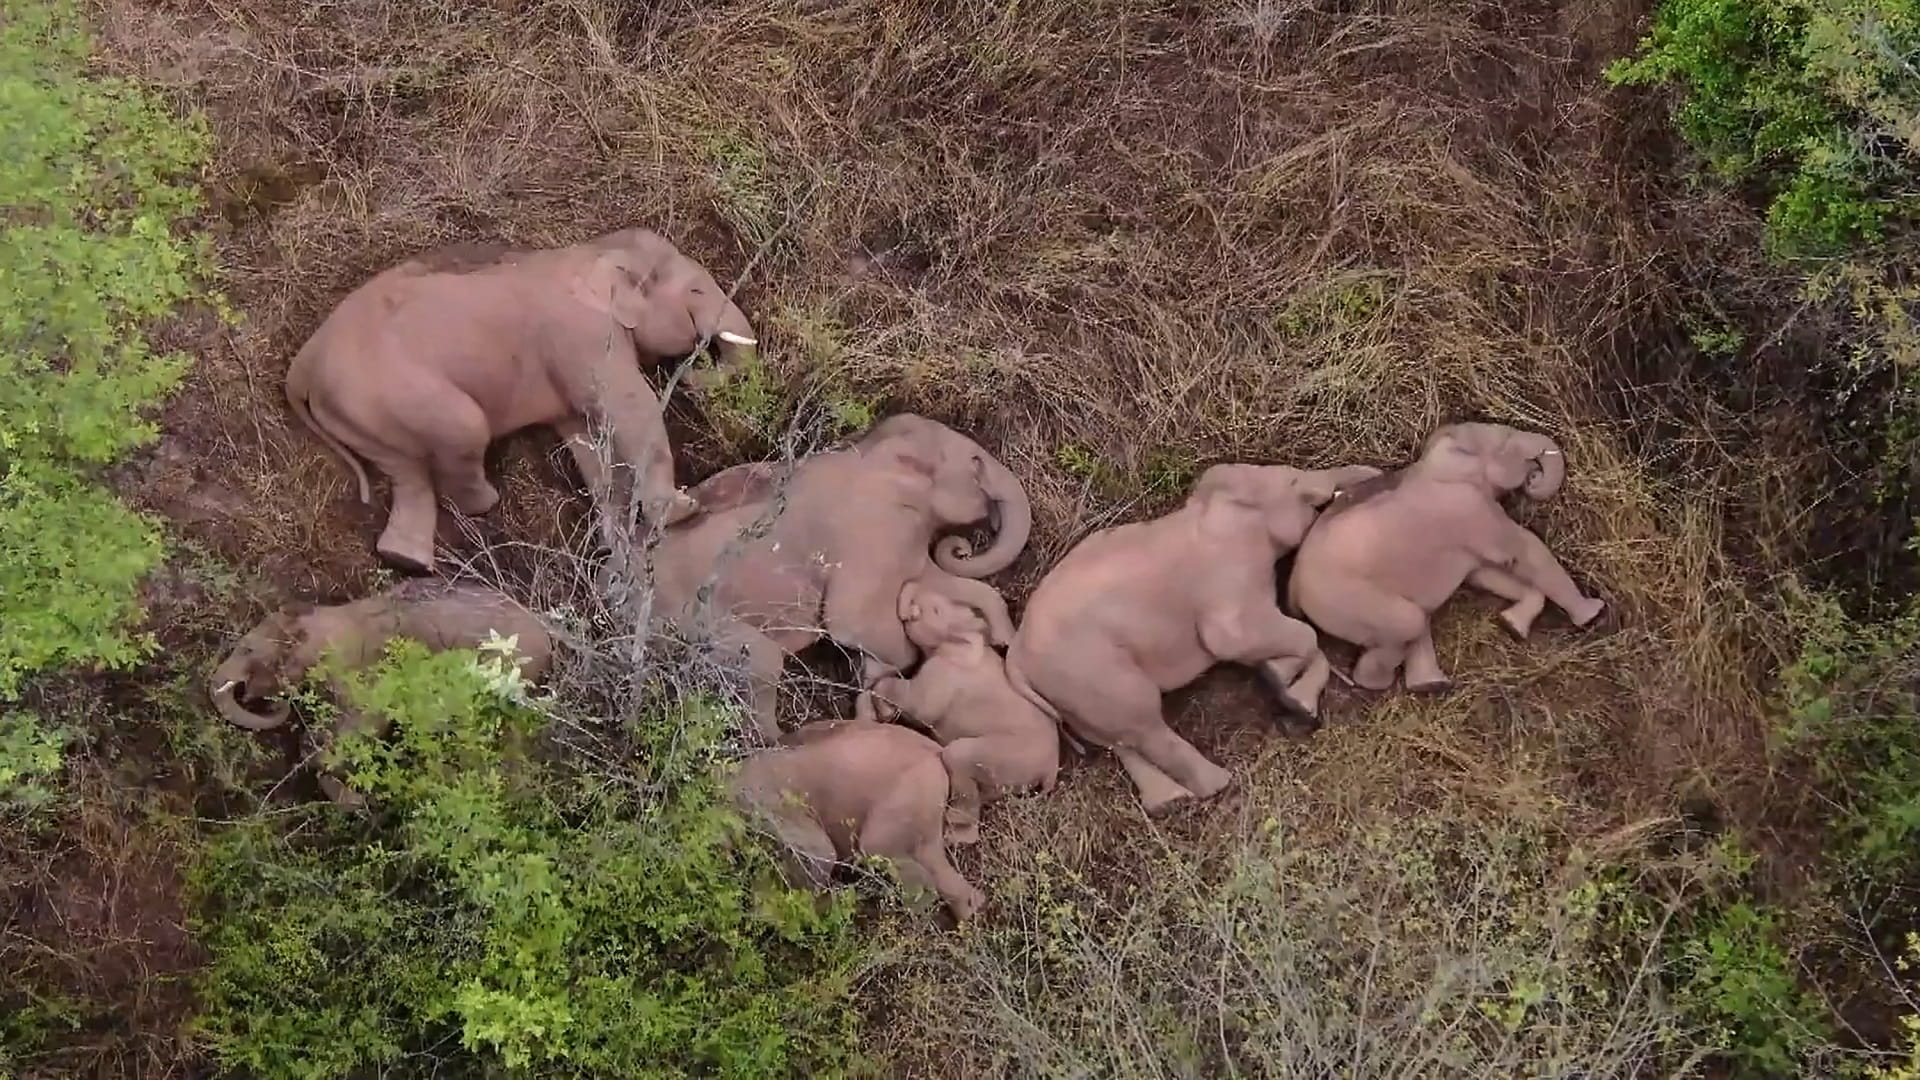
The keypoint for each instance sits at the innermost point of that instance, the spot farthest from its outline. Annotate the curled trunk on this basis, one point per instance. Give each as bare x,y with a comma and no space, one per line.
1010,515
226,692
1549,469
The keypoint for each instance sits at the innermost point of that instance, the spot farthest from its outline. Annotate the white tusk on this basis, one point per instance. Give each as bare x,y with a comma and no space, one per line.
1549,453
226,686
735,339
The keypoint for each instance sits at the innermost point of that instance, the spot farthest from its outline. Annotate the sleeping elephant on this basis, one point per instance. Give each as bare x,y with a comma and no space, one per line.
1381,561
420,368
769,567
277,654
834,791
1140,609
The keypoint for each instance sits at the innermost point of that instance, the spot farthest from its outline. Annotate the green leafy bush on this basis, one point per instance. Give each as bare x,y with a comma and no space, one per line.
95,178
504,907
1854,716
30,756
1818,100
1732,974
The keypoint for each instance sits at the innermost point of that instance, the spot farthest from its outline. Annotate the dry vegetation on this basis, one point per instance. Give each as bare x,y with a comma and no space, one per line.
1117,240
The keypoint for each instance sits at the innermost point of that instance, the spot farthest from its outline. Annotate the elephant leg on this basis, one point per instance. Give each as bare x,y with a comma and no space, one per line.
1284,649
765,660
1158,791
1537,566
978,768
459,436
906,827
1526,602
1423,674
1384,625
1178,758
806,851
407,540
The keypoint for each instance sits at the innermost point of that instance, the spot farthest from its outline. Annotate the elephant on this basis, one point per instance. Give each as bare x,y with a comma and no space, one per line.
993,740
1136,610
277,654
1379,563
769,568
833,791
428,362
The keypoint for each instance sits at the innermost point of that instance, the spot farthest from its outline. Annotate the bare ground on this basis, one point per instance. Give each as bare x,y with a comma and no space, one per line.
1115,239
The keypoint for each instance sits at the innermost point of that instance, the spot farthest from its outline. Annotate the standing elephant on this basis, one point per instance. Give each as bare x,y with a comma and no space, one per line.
277,654
834,791
771,568
1137,610
419,369
1378,564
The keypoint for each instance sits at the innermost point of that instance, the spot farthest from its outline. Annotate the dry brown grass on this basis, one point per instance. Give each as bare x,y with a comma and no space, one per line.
1144,234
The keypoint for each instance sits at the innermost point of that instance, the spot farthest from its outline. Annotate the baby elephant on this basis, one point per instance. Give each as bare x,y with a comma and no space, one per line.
277,654
1380,562
834,791
1140,609
995,740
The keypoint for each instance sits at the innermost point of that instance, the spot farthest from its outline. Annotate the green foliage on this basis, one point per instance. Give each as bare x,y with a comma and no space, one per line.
503,908
1852,714
95,178
30,757
1731,973
1818,100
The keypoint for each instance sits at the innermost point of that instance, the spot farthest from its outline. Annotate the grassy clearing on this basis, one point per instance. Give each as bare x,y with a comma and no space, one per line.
1118,240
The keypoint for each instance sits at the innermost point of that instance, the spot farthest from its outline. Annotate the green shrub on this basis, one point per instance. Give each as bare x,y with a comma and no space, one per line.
1818,100
1731,974
30,756
95,177
1852,715
505,908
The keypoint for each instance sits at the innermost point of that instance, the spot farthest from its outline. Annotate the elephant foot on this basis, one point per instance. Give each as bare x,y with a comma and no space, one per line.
1438,685
1587,611
1518,623
476,502
342,795
1372,680
963,832
1158,803
406,556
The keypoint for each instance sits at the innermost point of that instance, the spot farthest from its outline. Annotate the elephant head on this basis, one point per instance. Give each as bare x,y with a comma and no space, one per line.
1285,499
668,302
257,671
969,486
932,619
1495,457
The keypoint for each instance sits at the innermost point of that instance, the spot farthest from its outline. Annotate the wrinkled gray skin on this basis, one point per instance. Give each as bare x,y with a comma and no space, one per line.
276,655
1137,610
849,528
419,369
993,740
1374,568
834,791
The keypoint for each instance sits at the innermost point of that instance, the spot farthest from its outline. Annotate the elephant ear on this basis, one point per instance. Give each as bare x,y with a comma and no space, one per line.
609,285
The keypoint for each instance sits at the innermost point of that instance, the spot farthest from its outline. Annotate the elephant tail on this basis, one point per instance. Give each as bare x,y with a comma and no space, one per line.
1018,680
297,400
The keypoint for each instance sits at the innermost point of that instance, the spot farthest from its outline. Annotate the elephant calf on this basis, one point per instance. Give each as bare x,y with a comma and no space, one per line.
1374,569
994,740
1134,611
277,654
834,791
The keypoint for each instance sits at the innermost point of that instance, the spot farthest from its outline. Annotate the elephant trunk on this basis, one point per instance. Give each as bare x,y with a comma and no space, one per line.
229,684
1009,513
1549,468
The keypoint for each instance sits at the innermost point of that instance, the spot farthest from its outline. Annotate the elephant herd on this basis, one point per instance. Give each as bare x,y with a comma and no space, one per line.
424,365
